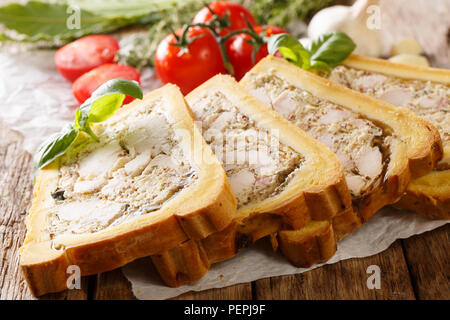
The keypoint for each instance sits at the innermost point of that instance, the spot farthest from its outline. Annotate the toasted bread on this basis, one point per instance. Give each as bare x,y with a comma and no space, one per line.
425,91
405,145
140,190
316,191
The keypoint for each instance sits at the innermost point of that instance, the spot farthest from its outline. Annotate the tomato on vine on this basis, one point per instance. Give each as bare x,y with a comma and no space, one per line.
191,63
244,51
238,15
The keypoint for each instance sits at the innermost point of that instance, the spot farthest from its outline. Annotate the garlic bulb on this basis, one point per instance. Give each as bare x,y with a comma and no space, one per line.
361,22
413,59
408,46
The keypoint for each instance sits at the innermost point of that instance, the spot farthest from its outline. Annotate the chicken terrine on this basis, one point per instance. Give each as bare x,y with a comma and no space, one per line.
139,190
426,92
282,178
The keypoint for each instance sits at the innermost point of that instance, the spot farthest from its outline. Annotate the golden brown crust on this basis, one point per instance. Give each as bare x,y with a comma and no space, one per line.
422,147
429,194
313,244
402,70
309,187
44,262
186,263
326,201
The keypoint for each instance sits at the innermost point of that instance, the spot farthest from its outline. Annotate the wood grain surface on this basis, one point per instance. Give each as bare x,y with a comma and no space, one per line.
414,268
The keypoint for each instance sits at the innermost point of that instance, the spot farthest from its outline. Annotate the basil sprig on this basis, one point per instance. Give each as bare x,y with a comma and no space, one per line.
324,53
99,107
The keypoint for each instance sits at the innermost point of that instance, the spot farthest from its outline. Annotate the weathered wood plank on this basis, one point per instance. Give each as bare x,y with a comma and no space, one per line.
112,285
428,258
344,280
236,292
75,294
15,196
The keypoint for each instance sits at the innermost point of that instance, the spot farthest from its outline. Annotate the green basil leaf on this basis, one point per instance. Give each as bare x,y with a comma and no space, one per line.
104,107
321,66
99,107
291,49
55,146
332,48
120,86
105,101
289,54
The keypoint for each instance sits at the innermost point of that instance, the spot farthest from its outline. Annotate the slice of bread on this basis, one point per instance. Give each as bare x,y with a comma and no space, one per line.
380,146
423,90
148,185
289,187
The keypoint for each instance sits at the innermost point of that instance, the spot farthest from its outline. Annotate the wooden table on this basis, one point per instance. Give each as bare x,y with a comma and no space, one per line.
414,268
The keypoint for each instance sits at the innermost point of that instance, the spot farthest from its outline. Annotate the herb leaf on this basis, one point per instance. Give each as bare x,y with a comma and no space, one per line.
291,49
104,107
108,98
332,48
55,146
326,52
99,107
40,20
104,102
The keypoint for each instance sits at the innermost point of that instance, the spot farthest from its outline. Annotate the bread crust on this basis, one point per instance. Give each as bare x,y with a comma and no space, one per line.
428,193
192,215
329,200
419,154
313,243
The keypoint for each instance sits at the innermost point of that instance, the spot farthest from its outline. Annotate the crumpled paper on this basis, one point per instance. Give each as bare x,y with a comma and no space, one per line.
259,261
36,101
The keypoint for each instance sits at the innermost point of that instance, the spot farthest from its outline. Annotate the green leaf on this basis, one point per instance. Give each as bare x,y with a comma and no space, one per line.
104,107
38,20
44,21
117,86
326,52
321,66
105,101
291,49
332,48
55,146
126,8
99,107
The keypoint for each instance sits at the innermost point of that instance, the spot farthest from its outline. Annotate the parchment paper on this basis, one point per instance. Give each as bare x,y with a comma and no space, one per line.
37,101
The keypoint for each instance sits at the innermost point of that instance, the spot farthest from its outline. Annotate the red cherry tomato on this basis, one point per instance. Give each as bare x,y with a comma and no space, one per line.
240,51
85,85
189,68
236,14
84,54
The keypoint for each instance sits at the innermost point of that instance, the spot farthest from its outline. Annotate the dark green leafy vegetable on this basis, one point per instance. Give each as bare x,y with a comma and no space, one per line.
37,20
282,12
326,52
43,21
291,49
99,107
55,146
332,48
